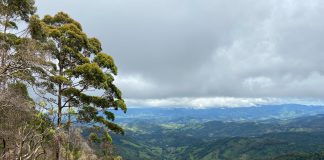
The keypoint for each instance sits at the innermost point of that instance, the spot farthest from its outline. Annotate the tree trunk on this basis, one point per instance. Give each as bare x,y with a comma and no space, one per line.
59,122
58,150
4,153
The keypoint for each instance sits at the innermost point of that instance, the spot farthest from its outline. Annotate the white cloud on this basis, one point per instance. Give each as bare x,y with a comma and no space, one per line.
208,48
136,85
258,82
216,102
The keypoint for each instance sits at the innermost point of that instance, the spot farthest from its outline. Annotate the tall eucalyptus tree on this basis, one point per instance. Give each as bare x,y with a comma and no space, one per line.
81,78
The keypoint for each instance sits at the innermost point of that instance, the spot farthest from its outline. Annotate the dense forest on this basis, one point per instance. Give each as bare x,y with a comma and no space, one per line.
54,77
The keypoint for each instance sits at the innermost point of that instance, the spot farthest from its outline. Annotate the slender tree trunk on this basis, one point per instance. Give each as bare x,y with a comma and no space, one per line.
59,123
59,113
68,129
57,154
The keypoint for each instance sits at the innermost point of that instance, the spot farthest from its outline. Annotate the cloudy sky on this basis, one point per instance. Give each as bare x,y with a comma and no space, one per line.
203,53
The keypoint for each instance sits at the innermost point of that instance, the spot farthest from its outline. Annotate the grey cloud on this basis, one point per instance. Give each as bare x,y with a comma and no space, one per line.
208,48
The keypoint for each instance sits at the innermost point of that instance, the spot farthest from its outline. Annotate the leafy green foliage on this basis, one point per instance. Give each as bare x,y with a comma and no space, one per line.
20,8
107,137
106,61
21,57
20,89
93,137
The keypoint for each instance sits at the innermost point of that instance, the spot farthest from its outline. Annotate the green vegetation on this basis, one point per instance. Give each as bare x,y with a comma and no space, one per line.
300,138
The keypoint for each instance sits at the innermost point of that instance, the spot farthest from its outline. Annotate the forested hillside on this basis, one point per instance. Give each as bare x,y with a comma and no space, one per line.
298,137
55,61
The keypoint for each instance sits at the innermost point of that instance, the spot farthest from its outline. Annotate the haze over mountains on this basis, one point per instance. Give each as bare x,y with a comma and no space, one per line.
264,132
286,111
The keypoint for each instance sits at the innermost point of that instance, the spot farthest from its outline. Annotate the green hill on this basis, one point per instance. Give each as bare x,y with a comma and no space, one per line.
267,139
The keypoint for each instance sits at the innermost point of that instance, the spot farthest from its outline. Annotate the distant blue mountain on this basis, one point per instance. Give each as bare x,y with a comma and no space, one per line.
264,112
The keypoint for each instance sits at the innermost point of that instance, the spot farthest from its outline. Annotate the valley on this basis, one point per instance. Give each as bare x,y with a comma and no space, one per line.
264,132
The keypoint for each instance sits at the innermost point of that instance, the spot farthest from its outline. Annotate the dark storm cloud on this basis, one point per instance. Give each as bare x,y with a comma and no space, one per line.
208,48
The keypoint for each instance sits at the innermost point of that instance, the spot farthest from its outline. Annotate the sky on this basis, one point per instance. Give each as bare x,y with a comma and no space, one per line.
208,53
